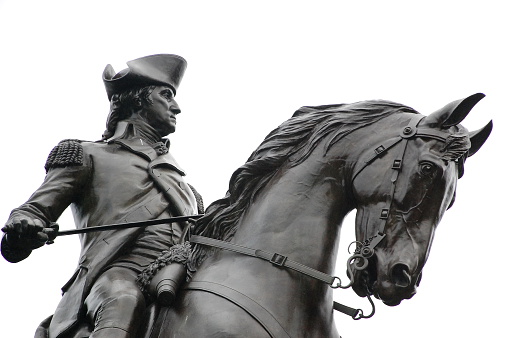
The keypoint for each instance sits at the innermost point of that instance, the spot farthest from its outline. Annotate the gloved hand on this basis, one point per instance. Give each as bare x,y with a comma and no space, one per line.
28,233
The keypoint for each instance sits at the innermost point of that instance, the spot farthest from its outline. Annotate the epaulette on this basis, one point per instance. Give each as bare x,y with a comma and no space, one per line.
66,154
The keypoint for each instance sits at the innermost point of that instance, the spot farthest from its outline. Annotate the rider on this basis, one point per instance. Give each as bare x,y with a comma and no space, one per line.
127,176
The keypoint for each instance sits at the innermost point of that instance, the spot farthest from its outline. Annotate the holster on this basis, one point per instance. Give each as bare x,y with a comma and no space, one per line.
166,282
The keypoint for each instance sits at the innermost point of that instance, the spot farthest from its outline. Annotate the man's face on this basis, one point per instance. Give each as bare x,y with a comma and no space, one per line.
161,114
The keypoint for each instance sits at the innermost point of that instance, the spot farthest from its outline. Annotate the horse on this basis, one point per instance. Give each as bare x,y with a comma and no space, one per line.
281,218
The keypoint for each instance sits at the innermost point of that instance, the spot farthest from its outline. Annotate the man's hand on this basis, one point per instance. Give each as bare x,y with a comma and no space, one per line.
26,233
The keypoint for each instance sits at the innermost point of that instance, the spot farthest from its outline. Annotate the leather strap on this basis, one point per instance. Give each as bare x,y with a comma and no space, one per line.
347,310
258,312
273,257
432,133
376,153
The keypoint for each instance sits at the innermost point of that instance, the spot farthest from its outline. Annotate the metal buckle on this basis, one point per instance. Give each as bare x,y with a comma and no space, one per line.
278,259
380,149
397,164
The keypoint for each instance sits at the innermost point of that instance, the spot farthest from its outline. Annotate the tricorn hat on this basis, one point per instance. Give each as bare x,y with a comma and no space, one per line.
159,69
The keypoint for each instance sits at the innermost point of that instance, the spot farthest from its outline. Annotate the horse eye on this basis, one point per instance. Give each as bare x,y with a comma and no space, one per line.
427,168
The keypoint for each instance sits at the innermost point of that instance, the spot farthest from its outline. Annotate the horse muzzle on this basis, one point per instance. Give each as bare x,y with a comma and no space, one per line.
391,288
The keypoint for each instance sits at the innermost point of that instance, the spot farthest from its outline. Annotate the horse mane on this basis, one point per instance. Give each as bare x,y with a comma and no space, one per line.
295,138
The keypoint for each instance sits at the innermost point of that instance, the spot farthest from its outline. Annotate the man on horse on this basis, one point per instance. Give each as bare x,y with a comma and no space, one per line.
127,176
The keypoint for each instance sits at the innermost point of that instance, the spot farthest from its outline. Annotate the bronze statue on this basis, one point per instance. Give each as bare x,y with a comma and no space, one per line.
279,223
263,256
127,176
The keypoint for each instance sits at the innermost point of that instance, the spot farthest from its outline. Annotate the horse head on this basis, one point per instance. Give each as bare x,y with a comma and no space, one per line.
402,186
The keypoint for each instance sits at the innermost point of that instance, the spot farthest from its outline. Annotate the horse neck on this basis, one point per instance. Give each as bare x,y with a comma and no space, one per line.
299,213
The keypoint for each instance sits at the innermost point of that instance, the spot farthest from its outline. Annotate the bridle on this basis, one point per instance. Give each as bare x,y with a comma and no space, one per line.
366,249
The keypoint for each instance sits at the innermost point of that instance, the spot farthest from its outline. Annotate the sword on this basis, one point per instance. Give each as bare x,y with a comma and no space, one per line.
52,234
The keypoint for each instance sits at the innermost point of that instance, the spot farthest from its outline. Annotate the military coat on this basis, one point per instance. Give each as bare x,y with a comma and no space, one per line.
123,180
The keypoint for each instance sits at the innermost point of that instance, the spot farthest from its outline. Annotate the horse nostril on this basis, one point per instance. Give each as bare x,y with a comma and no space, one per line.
401,276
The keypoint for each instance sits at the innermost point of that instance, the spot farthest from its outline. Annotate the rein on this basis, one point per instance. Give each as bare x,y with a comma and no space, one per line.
282,261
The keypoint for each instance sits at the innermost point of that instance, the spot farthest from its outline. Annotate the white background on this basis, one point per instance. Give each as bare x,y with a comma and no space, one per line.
250,65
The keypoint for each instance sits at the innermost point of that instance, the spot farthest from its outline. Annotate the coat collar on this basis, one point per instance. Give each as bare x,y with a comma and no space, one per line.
136,128
140,147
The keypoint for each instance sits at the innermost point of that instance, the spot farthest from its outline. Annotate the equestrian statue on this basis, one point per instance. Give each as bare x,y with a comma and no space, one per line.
260,261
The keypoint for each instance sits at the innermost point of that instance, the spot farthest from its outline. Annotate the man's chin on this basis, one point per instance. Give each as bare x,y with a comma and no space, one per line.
166,131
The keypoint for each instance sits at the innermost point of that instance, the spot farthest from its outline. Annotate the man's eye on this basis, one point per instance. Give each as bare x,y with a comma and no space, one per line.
167,95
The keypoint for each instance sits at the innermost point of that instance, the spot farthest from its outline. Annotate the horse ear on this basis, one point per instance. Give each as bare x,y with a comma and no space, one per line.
453,113
478,137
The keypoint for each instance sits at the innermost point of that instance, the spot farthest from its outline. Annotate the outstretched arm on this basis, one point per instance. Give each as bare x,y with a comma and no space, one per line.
28,225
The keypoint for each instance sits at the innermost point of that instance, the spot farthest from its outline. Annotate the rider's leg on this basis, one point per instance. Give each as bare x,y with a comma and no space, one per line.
115,304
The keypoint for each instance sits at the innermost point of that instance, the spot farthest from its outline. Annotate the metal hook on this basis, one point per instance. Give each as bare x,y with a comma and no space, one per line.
354,242
338,284
360,313
351,264
350,267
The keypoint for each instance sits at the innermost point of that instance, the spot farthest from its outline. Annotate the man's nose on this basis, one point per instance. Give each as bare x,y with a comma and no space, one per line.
174,108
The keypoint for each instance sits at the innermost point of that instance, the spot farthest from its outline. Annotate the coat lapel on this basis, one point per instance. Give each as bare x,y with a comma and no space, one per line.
167,175
167,160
